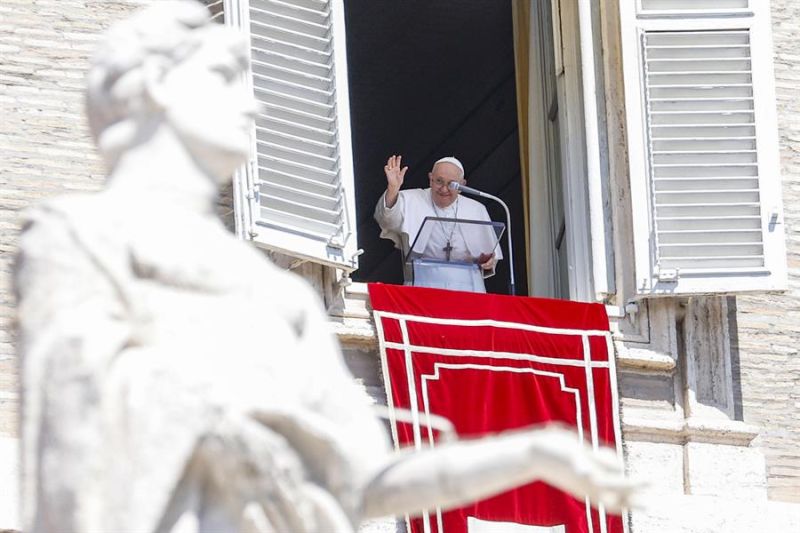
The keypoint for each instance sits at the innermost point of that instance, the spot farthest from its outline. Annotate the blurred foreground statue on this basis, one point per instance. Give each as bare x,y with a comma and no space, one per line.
171,375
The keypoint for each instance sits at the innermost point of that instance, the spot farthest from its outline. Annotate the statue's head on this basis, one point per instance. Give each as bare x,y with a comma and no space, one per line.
171,66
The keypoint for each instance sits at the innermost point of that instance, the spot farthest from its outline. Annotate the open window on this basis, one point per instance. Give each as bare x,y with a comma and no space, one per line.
428,80
449,90
425,79
703,147
555,151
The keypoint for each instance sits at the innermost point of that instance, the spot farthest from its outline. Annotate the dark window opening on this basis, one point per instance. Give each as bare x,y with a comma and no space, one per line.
428,80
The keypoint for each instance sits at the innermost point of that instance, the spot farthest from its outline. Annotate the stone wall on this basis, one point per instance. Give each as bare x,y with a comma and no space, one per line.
45,147
45,150
769,325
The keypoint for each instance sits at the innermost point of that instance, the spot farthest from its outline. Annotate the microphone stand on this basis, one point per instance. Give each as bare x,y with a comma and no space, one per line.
454,185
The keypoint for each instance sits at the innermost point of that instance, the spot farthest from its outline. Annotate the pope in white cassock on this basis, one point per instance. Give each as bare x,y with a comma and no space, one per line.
400,215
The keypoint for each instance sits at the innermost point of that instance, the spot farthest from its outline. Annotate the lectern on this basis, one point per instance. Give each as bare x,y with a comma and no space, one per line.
433,261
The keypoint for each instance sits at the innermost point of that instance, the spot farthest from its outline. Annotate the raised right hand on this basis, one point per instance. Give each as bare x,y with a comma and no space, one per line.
394,173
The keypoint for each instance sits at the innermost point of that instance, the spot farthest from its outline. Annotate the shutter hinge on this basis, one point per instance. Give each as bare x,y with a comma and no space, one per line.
336,241
355,256
252,193
345,280
774,218
628,310
668,275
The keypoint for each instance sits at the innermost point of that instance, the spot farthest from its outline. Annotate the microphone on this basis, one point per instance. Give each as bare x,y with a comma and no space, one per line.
455,186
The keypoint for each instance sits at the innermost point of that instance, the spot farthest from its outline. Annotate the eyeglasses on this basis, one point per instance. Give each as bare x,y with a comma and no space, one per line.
441,182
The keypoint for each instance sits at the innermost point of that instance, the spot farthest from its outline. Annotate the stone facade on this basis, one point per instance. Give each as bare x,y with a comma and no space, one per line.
45,145
769,325
709,386
45,150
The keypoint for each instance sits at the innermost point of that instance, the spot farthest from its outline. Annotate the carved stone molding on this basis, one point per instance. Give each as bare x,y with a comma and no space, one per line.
643,360
676,430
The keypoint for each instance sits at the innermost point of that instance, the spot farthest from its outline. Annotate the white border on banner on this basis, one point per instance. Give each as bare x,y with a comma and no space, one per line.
587,357
457,352
471,366
408,349
387,382
491,322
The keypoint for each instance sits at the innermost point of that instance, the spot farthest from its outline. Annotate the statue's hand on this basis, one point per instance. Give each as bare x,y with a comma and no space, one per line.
458,472
572,466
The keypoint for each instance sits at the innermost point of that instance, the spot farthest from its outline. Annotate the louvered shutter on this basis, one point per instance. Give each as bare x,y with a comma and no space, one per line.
702,141
216,8
298,192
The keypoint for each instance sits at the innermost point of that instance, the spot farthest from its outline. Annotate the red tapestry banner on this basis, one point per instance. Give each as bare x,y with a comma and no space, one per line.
491,363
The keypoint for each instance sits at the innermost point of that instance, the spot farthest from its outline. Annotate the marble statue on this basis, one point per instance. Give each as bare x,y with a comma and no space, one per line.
172,378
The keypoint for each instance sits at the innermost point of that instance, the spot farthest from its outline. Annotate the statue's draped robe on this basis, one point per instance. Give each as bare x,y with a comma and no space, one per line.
142,328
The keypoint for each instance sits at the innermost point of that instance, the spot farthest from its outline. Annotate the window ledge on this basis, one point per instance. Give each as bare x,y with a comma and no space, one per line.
355,331
680,431
351,320
639,359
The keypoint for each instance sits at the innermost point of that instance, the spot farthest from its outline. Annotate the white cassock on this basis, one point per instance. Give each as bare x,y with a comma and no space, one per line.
402,222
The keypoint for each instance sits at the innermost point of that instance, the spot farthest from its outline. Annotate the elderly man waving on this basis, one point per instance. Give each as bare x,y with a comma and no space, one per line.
400,215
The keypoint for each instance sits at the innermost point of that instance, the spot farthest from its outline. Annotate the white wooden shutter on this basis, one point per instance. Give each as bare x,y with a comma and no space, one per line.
702,140
298,192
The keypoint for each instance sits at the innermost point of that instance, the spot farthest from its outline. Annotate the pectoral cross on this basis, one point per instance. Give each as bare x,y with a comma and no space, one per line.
447,249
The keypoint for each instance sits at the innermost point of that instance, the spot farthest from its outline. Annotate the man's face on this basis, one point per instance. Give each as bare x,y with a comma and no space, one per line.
441,176
209,106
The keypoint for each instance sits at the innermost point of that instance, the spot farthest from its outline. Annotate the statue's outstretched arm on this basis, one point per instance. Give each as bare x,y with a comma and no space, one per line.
457,473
